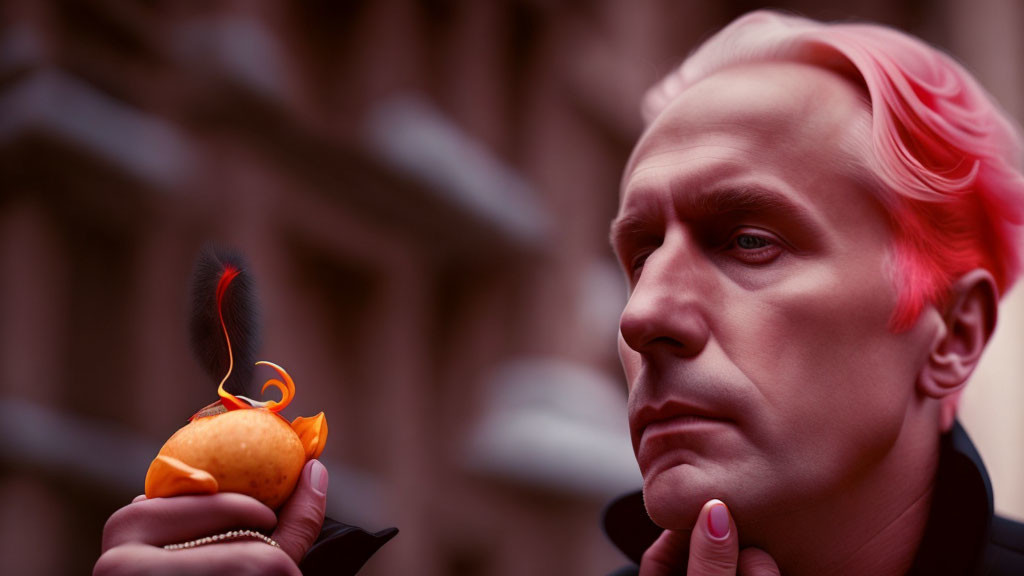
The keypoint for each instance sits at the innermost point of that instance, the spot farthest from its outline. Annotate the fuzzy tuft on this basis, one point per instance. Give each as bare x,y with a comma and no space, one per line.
239,308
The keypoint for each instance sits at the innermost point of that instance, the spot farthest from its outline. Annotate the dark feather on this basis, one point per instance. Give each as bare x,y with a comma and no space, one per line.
240,317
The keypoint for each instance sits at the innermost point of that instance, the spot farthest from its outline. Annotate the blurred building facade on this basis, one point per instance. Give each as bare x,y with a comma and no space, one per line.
422,189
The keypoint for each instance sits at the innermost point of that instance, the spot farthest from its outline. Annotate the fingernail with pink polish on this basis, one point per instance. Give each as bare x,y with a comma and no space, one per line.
718,520
318,478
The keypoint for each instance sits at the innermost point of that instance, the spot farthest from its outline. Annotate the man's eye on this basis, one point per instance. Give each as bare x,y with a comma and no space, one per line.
750,242
754,247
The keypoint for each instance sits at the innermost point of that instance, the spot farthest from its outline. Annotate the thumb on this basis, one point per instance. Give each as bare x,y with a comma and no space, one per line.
300,519
714,547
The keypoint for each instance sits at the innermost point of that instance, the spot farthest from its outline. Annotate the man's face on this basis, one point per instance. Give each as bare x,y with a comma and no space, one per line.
755,342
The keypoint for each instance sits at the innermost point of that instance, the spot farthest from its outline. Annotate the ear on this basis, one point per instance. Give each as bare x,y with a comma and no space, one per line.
968,323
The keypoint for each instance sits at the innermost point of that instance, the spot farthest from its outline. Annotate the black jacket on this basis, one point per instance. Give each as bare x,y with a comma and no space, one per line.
963,536
341,549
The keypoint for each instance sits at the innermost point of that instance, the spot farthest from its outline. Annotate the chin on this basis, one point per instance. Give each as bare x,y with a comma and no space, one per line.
674,497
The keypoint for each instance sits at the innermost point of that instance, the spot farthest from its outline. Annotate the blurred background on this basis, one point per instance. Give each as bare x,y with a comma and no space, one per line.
423,189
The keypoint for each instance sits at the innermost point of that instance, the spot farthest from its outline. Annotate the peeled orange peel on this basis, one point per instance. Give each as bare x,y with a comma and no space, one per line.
237,444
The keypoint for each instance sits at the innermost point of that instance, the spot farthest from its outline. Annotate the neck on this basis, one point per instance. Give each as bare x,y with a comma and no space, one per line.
874,527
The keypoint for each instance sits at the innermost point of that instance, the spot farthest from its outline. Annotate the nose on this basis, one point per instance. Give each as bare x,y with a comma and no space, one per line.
665,313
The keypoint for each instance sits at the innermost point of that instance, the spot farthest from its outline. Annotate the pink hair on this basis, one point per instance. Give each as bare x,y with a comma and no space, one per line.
945,157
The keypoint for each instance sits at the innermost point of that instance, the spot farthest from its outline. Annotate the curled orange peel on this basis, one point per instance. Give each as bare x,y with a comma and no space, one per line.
312,433
286,386
169,476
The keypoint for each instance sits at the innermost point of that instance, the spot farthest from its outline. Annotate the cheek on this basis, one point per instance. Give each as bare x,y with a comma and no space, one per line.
834,380
823,356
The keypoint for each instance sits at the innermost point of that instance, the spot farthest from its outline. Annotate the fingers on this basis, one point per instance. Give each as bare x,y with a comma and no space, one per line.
714,546
134,535
301,517
667,553
160,521
710,549
756,562
235,558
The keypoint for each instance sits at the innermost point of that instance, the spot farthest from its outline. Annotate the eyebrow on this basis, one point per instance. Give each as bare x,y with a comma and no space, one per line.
749,198
744,198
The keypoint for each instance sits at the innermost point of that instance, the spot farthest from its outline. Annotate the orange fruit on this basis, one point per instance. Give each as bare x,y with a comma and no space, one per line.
251,451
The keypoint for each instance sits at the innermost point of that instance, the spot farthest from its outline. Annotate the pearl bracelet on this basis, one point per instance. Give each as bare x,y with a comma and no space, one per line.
225,537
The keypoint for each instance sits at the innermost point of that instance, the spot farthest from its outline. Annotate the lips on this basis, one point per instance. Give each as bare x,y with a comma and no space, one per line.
671,427
679,412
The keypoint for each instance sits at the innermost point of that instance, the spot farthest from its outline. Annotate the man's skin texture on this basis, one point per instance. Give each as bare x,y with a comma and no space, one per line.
757,347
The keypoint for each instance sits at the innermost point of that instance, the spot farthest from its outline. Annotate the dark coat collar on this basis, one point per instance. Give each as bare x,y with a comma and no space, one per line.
958,523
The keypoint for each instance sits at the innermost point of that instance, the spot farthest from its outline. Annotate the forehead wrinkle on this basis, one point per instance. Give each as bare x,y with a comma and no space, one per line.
650,178
642,159
647,166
